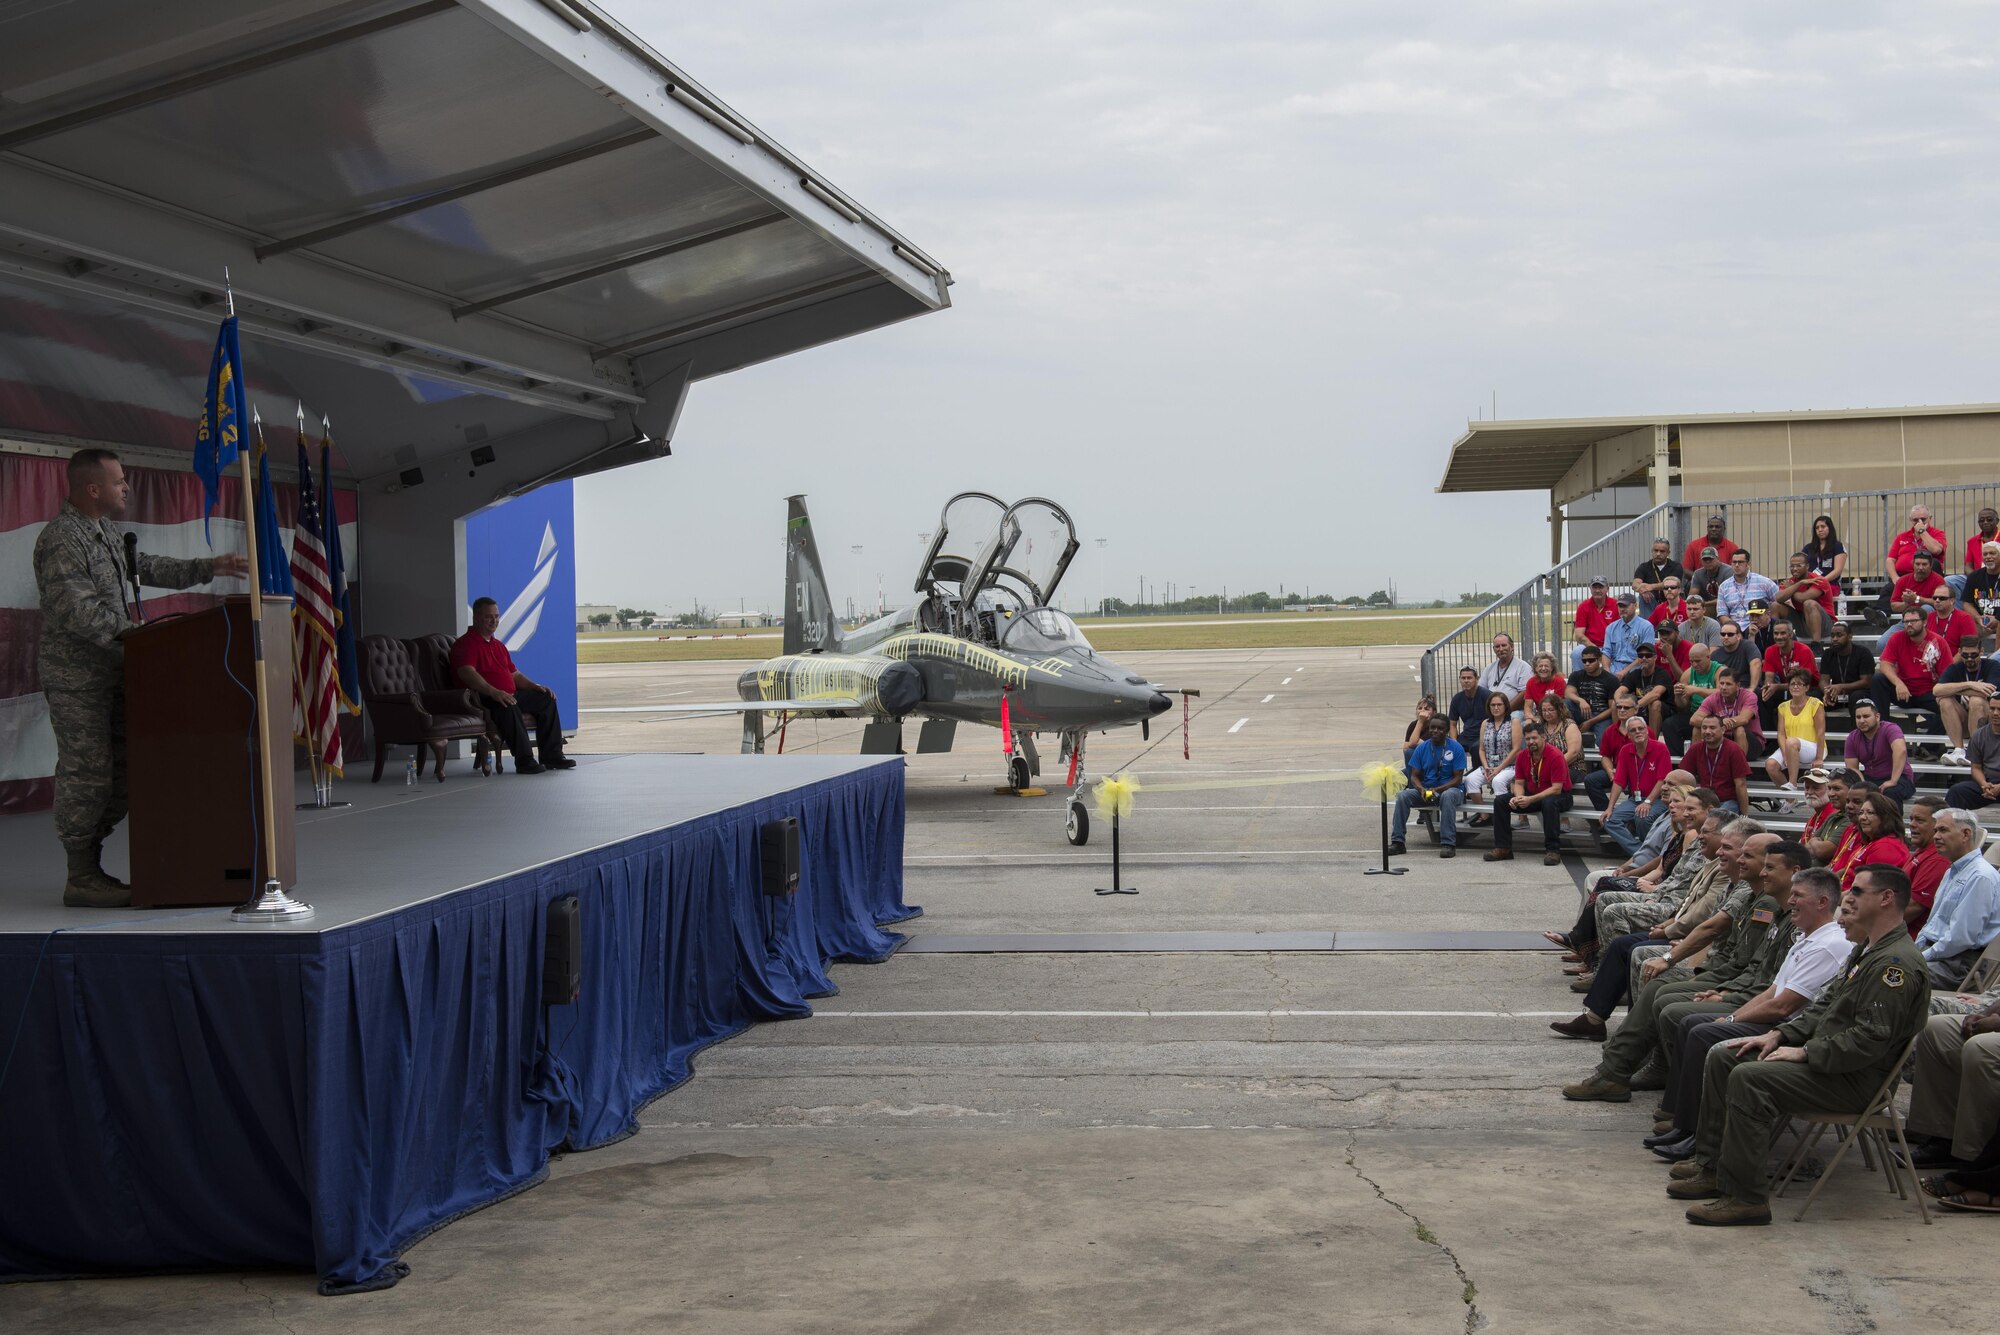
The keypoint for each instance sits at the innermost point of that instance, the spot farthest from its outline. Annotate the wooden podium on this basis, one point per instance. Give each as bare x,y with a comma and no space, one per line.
192,778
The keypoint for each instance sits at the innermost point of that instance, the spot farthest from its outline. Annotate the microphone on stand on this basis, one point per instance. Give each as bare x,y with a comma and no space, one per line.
132,573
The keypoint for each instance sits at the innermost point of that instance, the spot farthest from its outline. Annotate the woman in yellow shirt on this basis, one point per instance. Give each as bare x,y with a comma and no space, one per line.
1801,732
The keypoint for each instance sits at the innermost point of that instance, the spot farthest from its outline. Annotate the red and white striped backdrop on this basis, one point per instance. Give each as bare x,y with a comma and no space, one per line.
166,514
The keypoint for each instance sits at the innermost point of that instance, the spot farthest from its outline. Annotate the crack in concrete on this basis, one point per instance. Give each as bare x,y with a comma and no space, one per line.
271,1302
1475,1320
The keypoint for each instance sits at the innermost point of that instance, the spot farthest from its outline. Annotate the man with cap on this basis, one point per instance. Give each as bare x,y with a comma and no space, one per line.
1593,614
1744,586
1714,538
1652,681
1831,1057
1623,636
1675,651
1590,693
1962,692
1703,576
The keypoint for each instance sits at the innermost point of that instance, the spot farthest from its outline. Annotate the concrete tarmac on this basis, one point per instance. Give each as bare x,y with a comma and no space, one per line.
1194,1141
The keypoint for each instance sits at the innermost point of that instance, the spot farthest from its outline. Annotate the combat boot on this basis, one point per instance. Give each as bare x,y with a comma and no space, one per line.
1701,1187
89,888
104,877
1598,1089
1728,1210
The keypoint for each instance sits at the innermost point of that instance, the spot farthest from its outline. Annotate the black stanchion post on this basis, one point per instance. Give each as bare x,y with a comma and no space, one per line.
1385,869
1116,888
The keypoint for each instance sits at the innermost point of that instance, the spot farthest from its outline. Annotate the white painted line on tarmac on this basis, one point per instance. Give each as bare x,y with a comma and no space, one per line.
1267,700
1191,1015
1286,682
1236,726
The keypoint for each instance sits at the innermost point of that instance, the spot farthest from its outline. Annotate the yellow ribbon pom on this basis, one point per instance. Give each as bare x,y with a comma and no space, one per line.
1114,796
1382,782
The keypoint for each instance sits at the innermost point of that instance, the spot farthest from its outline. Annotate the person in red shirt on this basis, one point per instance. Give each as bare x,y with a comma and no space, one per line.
1880,822
1718,764
1672,608
1724,548
1672,646
1541,783
1544,682
1950,622
1805,593
1787,651
481,660
1908,667
1918,537
1642,765
1597,783
1928,864
1593,614
1916,589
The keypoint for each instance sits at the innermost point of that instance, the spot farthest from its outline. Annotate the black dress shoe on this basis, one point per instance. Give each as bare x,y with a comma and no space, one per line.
527,767
1677,1150
1667,1137
1398,849
1448,851
560,762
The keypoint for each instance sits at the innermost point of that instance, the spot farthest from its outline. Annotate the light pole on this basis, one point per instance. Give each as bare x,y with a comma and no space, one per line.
1103,589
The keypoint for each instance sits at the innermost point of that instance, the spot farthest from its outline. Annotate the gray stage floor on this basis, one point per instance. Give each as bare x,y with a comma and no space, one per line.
398,845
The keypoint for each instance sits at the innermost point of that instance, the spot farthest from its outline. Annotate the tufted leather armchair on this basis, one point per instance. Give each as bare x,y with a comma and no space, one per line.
404,685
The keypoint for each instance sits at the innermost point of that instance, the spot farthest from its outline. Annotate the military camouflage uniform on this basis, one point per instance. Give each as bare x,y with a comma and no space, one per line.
1853,1034
80,573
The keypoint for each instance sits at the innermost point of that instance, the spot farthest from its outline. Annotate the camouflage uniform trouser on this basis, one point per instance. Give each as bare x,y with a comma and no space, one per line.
1947,1003
89,723
1623,911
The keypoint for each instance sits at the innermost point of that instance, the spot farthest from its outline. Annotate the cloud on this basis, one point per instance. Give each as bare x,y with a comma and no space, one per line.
1231,277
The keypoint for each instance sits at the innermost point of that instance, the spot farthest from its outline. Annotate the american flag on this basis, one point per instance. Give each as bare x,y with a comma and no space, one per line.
315,672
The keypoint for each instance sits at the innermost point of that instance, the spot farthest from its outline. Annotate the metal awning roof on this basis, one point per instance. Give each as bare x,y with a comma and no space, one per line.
1535,455
513,208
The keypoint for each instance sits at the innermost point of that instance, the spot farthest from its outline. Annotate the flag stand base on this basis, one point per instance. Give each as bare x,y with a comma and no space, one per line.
322,798
274,905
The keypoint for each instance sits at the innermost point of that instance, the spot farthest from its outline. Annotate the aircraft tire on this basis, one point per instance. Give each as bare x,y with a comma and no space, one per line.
1017,772
1078,824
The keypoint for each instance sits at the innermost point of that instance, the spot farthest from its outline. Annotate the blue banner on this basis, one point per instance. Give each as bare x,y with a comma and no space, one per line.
219,435
522,554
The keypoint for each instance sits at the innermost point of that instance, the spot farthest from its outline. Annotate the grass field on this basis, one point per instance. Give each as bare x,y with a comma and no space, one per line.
1249,631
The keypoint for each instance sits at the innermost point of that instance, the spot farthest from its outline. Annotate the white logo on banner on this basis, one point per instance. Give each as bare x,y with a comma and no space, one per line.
524,615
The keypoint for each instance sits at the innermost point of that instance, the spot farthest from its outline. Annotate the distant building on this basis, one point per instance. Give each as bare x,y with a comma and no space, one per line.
741,620
585,611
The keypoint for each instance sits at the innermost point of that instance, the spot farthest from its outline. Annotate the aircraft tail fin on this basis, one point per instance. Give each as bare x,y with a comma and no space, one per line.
810,626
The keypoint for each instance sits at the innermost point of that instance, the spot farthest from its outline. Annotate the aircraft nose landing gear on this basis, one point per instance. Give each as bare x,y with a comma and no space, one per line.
1076,821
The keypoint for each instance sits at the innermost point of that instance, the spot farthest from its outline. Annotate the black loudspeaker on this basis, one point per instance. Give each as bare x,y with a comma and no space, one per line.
562,962
778,849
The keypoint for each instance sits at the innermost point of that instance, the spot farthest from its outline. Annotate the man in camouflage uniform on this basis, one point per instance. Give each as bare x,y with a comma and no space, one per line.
1830,1058
81,576
1725,941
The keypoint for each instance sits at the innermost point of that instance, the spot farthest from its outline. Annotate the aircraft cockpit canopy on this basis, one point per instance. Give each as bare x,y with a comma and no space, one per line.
1026,555
1043,630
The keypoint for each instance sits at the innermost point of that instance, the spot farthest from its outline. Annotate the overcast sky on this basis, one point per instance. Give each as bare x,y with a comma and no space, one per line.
1232,278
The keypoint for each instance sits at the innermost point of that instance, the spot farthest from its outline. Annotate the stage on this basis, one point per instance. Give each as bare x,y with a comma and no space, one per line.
180,1091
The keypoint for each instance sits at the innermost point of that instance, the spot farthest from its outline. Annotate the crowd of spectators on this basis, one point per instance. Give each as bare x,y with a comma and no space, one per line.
1785,960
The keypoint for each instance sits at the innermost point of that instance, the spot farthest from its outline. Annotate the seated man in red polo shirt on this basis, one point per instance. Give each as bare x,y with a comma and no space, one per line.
482,662
1804,593
1907,670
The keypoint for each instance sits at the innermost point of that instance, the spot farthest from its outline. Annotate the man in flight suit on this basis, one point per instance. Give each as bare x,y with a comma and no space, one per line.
82,581
1831,1058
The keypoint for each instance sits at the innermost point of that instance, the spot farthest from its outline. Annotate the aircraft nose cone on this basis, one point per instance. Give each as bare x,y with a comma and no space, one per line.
1159,704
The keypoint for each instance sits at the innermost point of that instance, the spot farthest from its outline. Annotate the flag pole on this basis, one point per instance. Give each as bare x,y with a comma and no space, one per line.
271,904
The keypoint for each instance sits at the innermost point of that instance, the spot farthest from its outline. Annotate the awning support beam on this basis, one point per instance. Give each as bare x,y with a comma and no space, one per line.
431,199
222,73
646,256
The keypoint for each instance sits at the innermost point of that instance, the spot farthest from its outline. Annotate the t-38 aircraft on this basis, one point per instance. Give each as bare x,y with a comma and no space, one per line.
981,645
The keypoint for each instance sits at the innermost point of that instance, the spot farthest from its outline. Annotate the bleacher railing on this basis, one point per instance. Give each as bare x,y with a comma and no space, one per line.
1540,614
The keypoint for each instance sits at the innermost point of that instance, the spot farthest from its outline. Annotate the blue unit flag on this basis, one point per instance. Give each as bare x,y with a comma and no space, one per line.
219,436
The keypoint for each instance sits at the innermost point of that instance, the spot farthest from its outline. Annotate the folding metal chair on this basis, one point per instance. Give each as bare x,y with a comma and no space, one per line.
1872,1124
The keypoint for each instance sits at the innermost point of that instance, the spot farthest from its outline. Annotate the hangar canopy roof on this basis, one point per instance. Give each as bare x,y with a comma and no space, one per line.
1538,454
513,208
